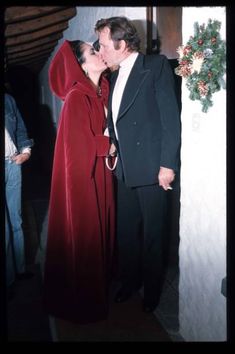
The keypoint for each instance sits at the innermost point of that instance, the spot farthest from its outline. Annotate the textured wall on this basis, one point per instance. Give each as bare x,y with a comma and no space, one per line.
82,27
202,307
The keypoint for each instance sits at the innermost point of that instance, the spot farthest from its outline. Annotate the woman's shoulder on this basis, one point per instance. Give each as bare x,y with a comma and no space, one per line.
75,100
74,93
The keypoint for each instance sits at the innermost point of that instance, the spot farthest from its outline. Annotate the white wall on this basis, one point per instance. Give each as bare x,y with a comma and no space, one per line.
82,27
202,253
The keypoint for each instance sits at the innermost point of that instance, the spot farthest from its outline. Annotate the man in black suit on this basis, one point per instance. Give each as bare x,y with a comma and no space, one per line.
144,125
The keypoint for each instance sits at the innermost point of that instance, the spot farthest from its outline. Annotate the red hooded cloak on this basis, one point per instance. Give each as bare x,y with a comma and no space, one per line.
81,210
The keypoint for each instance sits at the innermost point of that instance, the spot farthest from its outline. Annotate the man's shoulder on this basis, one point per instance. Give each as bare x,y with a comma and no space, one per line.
154,58
155,63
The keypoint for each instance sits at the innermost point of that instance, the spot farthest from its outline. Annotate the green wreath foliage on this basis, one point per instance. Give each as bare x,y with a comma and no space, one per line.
202,63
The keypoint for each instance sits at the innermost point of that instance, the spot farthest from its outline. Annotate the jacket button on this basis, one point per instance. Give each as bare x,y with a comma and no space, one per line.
134,123
138,143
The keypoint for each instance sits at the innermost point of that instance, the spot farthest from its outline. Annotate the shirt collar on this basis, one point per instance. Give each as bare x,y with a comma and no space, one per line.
128,62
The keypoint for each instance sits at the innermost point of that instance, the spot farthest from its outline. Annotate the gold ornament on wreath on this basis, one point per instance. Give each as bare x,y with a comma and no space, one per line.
202,63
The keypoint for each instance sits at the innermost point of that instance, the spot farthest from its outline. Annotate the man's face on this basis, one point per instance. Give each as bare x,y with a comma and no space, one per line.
109,54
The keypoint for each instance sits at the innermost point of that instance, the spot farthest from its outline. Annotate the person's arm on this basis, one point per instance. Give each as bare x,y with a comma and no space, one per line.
22,138
23,142
169,113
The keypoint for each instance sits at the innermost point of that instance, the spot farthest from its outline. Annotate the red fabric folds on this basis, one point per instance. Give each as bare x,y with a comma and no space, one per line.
81,210
102,145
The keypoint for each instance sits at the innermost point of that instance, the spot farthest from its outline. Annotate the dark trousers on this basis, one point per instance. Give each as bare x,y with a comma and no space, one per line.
141,220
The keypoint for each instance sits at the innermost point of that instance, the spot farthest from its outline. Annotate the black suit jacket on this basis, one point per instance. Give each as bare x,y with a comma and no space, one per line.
148,121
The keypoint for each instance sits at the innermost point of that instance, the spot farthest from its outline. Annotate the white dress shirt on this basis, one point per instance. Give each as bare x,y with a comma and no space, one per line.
125,68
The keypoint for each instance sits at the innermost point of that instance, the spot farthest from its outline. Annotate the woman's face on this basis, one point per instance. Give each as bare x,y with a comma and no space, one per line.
93,60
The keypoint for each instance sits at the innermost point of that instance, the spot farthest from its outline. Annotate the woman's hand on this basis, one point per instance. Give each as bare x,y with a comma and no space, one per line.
112,150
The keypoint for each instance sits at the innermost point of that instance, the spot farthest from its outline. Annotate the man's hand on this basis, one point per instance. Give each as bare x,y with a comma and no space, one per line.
165,177
21,158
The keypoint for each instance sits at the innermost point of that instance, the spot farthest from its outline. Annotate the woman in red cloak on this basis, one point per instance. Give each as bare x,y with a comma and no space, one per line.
80,240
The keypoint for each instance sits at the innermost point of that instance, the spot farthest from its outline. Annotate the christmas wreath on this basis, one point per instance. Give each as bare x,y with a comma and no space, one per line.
202,63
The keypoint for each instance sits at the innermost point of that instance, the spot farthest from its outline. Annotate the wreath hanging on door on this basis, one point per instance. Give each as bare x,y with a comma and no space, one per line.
202,63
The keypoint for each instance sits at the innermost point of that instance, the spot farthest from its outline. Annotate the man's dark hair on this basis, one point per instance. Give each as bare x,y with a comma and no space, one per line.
120,29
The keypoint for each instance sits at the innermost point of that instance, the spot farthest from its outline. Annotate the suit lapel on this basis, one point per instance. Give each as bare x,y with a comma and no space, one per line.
114,79
137,76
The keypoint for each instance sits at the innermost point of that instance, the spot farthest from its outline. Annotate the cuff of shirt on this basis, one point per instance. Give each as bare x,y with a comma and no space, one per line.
26,150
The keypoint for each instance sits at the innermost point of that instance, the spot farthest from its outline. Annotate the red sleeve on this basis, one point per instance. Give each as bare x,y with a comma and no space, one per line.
79,141
102,145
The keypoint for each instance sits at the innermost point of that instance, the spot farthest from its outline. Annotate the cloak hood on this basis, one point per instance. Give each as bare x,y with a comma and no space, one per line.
65,73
